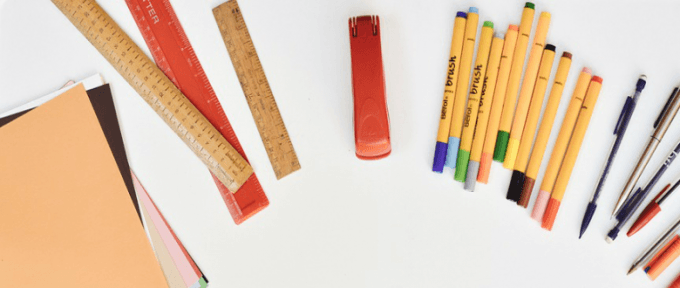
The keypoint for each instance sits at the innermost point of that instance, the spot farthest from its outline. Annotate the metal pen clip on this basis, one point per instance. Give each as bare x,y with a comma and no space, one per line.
666,106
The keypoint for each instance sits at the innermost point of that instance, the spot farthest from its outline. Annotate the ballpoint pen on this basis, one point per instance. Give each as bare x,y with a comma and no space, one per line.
666,256
652,208
654,248
661,124
634,201
619,132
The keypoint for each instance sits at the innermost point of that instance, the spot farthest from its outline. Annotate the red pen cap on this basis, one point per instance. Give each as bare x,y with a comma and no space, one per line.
650,211
371,119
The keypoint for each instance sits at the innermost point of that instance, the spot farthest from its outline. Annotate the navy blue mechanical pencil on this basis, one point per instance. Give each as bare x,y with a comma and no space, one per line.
619,132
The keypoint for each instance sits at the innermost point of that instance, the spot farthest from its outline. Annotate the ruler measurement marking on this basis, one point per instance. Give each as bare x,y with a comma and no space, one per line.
257,91
92,21
176,53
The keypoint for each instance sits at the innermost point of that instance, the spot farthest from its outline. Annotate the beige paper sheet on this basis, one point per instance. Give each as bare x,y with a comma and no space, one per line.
67,219
172,275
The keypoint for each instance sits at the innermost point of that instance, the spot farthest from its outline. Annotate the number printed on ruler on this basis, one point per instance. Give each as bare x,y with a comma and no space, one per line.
256,89
157,90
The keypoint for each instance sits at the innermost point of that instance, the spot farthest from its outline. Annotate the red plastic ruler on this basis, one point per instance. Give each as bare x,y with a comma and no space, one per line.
174,55
158,91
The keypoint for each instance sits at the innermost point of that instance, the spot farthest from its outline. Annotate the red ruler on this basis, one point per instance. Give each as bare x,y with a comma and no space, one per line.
173,54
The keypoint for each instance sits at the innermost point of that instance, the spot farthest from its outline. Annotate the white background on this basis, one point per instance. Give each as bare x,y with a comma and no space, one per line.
342,222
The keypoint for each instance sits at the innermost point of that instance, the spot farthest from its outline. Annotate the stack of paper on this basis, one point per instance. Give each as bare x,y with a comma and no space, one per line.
70,207
180,270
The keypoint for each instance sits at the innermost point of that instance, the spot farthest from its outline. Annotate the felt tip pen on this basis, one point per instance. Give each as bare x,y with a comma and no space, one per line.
526,92
619,132
514,80
449,92
473,101
497,104
485,104
560,146
545,129
661,125
571,155
633,203
521,158
459,102
652,208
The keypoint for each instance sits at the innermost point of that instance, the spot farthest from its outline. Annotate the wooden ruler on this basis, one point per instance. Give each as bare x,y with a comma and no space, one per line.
158,91
171,50
256,89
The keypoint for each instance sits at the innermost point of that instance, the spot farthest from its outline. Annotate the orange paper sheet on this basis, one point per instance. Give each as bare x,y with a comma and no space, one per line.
67,219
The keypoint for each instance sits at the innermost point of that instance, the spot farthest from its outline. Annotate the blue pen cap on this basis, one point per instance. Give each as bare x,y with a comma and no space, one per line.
461,14
452,152
473,10
641,83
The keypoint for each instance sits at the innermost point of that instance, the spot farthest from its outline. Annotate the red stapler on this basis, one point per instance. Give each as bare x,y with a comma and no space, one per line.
371,120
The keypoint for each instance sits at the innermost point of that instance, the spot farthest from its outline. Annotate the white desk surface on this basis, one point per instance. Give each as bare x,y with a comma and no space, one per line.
342,222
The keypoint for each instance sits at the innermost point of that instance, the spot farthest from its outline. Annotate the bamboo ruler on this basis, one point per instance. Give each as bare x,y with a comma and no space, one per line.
172,51
256,89
158,91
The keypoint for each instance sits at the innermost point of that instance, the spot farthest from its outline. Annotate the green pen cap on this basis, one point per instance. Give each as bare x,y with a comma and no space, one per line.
461,165
501,146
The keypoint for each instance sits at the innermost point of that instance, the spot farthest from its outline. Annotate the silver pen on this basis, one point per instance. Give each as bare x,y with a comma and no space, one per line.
661,125
655,247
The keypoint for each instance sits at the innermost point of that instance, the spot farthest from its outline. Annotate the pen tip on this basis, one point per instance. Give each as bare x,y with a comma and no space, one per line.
643,77
590,211
632,269
609,240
